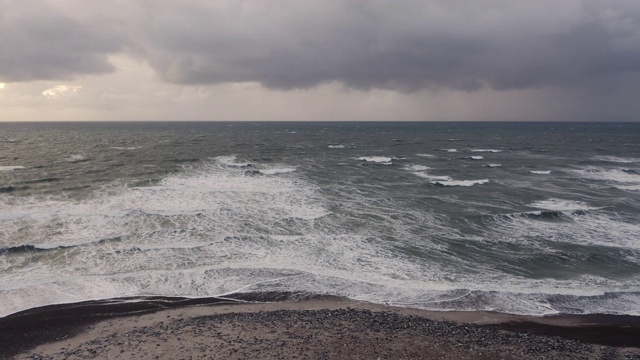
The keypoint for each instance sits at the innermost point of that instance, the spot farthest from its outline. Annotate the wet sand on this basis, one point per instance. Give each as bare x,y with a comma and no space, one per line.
309,328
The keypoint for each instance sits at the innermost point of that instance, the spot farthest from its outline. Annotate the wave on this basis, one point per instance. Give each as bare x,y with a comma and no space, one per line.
433,177
7,189
629,187
77,158
626,179
578,229
42,180
337,146
450,150
185,160
555,204
540,172
11,168
553,210
212,230
277,171
126,148
425,155
384,160
493,165
460,182
615,159
417,168
546,215
19,249
475,157
29,248
443,180
231,161
486,150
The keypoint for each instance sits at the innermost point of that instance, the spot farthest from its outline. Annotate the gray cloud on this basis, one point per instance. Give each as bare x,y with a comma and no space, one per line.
39,42
402,45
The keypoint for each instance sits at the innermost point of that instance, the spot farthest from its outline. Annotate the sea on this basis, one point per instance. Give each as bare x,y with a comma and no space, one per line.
522,218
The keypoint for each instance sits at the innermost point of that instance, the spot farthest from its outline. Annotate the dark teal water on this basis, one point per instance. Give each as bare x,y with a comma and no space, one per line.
515,217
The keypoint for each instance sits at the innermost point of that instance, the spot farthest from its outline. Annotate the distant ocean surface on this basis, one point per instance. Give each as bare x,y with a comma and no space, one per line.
526,218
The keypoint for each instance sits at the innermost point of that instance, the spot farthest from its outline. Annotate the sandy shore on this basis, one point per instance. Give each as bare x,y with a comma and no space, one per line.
316,328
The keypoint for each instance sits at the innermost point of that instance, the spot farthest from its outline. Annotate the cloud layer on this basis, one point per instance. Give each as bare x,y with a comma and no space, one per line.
402,45
41,42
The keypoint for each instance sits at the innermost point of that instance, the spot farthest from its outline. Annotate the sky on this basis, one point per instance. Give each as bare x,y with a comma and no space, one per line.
412,60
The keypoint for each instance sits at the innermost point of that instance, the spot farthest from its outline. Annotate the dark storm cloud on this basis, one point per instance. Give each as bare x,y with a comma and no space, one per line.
39,42
399,45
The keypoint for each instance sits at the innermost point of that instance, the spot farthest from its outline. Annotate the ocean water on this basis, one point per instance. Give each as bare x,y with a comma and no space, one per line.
523,218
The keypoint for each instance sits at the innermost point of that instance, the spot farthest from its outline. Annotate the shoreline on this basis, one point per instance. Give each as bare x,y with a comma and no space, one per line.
48,330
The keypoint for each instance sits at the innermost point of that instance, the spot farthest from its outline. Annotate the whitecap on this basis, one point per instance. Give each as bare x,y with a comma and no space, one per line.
338,146
376,159
425,155
541,172
76,158
277,171
460,182
629,187
230,161
475,157
625,179
10,168
493,165
417,168
616,159
562,205
126,148
433,177
445,180
450,150
486,150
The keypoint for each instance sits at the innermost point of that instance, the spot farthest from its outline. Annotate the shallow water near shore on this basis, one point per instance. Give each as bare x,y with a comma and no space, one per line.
518,218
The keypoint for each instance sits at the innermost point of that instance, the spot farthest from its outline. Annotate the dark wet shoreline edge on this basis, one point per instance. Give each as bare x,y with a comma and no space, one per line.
27,329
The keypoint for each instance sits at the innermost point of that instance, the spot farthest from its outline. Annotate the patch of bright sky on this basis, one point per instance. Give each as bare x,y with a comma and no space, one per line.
60,90
1,85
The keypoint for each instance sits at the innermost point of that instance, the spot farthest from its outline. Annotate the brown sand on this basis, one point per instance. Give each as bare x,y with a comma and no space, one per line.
319,328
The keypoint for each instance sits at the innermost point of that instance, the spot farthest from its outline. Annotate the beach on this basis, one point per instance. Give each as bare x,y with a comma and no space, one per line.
304,328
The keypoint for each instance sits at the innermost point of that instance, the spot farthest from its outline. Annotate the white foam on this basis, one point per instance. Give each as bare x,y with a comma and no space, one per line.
616,159
590,227
230,161
620,178
214,230
76,158
630,187
417,168
562,205
493,165
450,150
336,146
443,180
425,155
11,168
433,177
461,182
277,171
541,172
475,157
126,148
486,150
376,159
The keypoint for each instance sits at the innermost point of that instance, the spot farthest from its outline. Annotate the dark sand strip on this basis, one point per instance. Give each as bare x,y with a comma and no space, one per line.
308,328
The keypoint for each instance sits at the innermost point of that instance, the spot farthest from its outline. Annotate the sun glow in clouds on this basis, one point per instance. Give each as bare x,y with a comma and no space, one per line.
61,90
1,86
